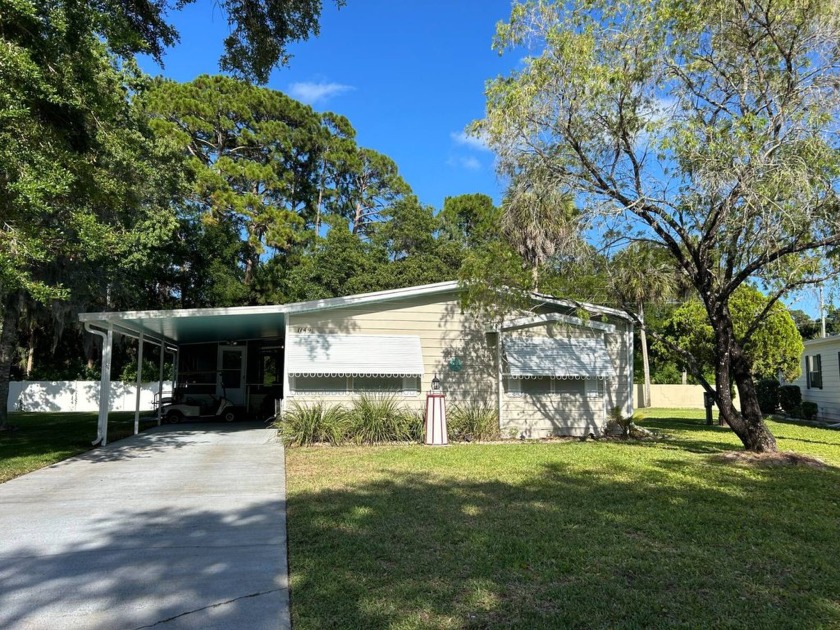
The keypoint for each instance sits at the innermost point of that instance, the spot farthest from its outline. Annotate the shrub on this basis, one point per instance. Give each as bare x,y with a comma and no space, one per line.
377,418
416,424
303,425
809,410
790,397
625,425
472,421
767,390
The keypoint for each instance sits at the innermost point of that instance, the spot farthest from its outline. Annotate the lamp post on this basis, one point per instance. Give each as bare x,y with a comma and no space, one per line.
436,415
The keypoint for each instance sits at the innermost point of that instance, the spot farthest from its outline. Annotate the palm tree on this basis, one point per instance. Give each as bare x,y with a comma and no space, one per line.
641,274
539,221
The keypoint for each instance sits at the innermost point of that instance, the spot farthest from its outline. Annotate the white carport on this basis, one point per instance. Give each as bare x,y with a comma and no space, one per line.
169,330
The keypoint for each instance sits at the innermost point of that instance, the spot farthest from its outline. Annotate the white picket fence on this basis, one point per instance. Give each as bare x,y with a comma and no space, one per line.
55,396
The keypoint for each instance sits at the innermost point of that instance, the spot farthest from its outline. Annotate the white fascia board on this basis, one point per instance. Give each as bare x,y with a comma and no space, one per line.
114,316
592,308
372,298
819,341
125,328
538,320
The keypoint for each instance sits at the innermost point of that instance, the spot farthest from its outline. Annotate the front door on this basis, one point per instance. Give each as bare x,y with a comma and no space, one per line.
231,381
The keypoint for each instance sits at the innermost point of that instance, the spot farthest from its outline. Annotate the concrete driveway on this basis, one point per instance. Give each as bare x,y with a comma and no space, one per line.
178,527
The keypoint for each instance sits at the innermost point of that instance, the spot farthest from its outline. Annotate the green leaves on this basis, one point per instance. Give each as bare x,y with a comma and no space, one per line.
775,346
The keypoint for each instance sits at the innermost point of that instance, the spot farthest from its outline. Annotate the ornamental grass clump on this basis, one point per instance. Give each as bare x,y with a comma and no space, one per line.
374,419
473,422
304,425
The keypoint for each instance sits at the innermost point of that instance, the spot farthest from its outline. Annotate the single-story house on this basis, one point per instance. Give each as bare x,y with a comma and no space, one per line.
556,368
820,378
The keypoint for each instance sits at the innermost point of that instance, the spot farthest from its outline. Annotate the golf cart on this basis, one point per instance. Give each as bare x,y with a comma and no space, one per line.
198,407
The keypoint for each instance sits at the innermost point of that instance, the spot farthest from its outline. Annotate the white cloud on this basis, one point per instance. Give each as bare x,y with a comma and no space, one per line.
473,142
317,92
471,163
468,162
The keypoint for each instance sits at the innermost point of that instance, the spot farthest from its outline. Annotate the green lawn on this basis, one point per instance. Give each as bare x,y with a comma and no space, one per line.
567,534
41,439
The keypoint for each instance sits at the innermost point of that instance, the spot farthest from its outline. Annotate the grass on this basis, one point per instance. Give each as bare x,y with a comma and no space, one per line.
42,439
605,534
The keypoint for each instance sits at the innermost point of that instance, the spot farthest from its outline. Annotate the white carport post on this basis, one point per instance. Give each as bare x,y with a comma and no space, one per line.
105,386
138,384
160,377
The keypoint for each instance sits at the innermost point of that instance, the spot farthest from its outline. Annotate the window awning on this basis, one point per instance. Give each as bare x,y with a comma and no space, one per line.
354,355
579,357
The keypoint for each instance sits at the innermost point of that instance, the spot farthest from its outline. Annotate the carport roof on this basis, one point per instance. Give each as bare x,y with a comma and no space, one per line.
195,325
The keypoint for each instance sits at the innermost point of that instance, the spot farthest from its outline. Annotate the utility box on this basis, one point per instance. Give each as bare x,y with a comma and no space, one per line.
708,403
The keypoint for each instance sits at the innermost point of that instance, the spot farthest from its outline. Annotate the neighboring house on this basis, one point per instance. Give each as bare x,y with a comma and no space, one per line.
820,378
554,369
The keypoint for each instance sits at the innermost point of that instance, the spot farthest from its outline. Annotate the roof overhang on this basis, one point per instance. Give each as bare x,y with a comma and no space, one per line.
819,341
195,325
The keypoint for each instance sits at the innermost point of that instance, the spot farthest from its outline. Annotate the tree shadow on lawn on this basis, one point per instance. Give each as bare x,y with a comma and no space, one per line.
670,431
42,434
726,546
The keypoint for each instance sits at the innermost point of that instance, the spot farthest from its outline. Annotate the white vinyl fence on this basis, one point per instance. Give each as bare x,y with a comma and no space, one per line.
57,396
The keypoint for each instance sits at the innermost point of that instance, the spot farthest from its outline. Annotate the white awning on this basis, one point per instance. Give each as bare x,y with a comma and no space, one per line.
354,355
578,357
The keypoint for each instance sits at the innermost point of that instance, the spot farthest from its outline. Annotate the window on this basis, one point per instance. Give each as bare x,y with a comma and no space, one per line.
405,385
319,384
409,385
813,371
271,365
536,386
547,386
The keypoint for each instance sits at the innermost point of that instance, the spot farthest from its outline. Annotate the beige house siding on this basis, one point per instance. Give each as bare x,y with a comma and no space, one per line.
446,332
827,399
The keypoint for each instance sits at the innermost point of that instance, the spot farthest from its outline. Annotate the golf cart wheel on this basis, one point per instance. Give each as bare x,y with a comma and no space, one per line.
174,417
229,416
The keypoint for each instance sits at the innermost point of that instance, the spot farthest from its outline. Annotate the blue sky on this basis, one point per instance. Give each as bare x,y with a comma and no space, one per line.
408,74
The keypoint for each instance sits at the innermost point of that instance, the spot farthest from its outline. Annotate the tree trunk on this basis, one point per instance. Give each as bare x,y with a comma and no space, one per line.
752,430
8,347
645,361
30,355
749,424
357,218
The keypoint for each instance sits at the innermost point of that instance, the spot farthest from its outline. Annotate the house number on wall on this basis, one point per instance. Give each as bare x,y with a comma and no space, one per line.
303,329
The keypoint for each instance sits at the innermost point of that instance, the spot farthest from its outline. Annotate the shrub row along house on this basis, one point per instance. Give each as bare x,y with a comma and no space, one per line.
556,368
